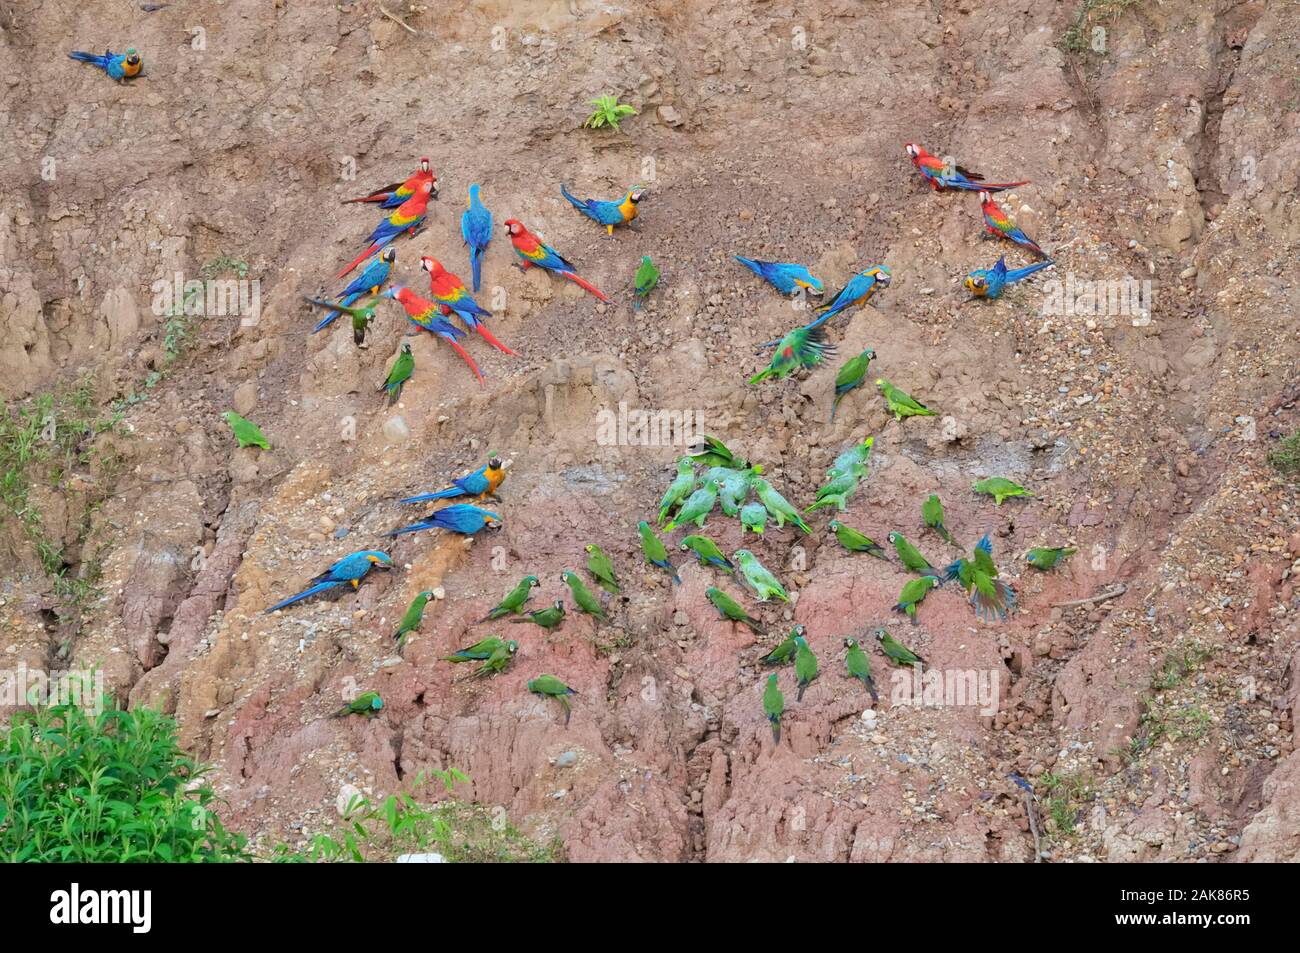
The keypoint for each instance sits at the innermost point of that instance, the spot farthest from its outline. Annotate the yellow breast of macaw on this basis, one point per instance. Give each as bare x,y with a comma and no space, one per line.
627,208
131,69
495,478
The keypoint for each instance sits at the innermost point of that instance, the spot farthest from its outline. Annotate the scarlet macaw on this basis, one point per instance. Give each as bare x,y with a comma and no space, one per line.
424,314
407,217
391,196
449,291
533,251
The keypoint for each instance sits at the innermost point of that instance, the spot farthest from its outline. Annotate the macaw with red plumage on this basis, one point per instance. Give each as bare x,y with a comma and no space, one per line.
941,176
449,291
999,225
391,196
533,251
407,217
423,313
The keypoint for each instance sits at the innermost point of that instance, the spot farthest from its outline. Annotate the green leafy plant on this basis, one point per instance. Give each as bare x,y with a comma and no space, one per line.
608,112
1286,457
112,788
1090,13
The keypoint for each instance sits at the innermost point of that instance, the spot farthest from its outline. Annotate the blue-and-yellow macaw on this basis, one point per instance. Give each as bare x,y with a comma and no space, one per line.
858,291
532,251
459,518
119,66
991,282
476,229
482,483
369,282
450,293
348,570
391,196
407,217
941,176
787,278
608,214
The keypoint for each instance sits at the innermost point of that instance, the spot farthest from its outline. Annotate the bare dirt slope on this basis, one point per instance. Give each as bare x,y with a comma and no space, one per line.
1155,725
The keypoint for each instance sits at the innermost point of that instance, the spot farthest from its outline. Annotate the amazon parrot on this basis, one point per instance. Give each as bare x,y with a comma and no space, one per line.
450,293
247,433
654,550
697,507
731,609
855,456
476,230
551,687
609,214
991,282
424,315
1000,488
753,516
682,486
942,176
391,196
735,486
787,278
514,599
998,224
850,376
349,570
481,484
760,579
119,66
458,518
902,404
532,251
839,490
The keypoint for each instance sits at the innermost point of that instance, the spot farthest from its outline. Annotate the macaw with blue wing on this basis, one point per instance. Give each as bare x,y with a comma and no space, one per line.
533,251
787,277
458,518
941,176
978,575
480,484
608,214
998,224
858,291
991,282
423,313
407,217
369,282
450,293
476,229
348,570
391,196
119,66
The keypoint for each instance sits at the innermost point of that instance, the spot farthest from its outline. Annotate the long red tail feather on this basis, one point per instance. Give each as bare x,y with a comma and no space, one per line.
583,283
465,356
360,258
380,197
491,339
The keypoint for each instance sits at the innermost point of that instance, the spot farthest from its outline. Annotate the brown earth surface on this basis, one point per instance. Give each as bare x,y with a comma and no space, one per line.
1155,725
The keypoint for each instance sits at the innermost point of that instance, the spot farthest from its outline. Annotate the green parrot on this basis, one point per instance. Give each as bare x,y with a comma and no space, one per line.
753,516
480,650
901,403
911,556
839,490
362,317
552,687
246,432
992,598
759,578
851,375
999,488
802,347
859,666
856,456
715,454
854,541
654,550
583,597
778,506
785,651
707,551
411,621
697,508
367,703
896,652
647,276
1046,557
681,487
731,609
599,565
805,665
548,618
932,515
514,599
734,488
498,660
914,591
773,707
399,374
